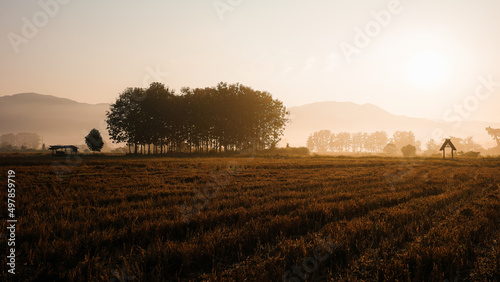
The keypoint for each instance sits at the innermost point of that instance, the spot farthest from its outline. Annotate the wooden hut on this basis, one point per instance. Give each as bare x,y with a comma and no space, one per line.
63,149
448,144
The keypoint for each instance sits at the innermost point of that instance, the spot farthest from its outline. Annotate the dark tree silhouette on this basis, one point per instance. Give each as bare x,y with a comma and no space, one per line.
94,140
123,120
222,118
409,150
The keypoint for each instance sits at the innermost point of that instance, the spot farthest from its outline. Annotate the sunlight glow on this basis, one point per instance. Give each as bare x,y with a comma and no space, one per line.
427,69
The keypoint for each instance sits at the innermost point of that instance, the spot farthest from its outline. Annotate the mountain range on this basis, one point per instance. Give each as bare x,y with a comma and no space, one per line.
57,120
351,117
64,121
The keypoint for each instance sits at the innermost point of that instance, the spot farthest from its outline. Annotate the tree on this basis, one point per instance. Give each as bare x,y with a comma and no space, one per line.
409,151
379,140
123,118
94,140
471,145
403,138
418,145
8,140
357,142
22,141
495,133
458,142
432,147
343,141
28,140
390,149
222,118
311,142
323,140
319,141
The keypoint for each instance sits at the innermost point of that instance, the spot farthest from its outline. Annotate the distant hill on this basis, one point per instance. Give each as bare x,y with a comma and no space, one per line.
64,121
351,117
58,120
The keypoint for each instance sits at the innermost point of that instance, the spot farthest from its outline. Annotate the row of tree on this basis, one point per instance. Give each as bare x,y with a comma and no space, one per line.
19,141
325,141
463,145
222,118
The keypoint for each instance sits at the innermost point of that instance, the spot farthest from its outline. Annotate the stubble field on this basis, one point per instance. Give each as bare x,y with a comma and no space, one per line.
124,218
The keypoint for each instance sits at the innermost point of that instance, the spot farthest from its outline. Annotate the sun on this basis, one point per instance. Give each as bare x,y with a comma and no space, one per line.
427,69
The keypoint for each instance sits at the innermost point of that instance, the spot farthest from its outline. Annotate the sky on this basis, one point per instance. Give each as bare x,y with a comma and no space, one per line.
433,59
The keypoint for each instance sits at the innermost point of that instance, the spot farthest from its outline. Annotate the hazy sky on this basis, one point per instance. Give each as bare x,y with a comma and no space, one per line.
415,58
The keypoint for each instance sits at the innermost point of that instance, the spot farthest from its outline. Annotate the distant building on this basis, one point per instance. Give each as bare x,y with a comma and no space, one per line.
63,149
447,144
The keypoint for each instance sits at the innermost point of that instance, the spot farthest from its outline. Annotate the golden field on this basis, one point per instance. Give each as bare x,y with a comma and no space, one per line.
150,218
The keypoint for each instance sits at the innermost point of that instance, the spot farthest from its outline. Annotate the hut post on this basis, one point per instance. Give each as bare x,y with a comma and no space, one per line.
448,143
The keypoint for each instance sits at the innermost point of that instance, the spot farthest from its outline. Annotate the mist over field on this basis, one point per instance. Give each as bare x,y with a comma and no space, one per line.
61,121
233,140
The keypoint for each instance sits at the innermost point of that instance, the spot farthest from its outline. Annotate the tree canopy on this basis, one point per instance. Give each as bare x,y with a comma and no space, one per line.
495,133
94,140
222,118
325,141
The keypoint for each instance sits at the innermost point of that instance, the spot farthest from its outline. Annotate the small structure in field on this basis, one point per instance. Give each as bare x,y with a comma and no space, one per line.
447,144
63,149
